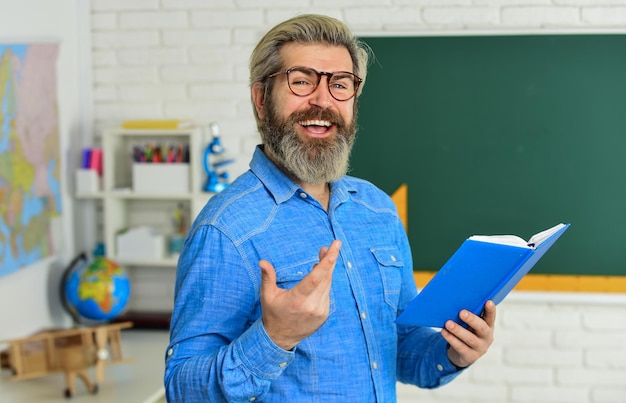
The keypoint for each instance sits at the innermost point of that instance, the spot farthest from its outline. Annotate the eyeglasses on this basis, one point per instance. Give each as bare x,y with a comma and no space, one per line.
303,81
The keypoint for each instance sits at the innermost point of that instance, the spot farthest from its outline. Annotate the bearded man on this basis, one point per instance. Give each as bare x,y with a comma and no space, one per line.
290,280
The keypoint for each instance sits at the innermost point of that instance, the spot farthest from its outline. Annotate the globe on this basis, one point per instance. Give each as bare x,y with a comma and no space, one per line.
98,290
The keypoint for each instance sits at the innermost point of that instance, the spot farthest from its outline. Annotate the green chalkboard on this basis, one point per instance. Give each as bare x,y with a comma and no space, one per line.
501,135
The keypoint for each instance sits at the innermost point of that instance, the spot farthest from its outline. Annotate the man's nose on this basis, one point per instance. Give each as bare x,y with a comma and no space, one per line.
321,96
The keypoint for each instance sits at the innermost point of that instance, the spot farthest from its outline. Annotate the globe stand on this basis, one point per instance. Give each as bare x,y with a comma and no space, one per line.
78,263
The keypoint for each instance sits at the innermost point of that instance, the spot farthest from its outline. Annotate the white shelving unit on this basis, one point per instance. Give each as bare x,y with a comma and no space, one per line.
123,207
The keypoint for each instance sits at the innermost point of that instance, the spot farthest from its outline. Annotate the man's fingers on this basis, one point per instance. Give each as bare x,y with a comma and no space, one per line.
321,275
319,278
322,253
489,314
268,276
331,253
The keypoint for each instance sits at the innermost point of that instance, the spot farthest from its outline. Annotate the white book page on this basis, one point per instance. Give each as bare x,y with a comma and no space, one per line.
543,235
514,240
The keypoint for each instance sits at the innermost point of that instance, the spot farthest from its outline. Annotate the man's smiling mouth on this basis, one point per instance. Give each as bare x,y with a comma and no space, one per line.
316,126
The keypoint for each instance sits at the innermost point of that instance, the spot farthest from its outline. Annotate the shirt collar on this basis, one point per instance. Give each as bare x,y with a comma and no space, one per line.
282,187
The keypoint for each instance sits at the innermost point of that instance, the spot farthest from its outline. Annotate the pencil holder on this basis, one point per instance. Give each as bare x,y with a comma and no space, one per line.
161,177
87,181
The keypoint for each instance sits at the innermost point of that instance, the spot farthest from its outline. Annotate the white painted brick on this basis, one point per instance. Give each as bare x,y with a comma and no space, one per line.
124,39
240,166
221,19
105,93
494,356
243,130
606,318
504,3
274,3
236,55
512,374
383,17
154,19
158,92
118,111
104,21
458,16
595,377
200,110
123,75
524,316
543,357
250,143
245,109
541,16
151,56
221,90
248,36
586,339
197,37
200,4
609,395
547,394
612,357
116,5
101,58
276,15
355,3
589,3
438,3
193,73
605,16
526,338
242,72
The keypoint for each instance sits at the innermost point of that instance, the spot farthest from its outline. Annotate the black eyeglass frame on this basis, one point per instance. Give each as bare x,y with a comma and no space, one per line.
357,80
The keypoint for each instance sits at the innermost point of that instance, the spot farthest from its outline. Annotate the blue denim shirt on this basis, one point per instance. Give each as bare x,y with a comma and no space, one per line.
219,350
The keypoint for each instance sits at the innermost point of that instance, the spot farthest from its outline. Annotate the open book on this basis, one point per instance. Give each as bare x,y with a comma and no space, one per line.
514,240
485,267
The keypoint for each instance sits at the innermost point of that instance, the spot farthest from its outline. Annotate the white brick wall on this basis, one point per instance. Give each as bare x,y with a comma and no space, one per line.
188,59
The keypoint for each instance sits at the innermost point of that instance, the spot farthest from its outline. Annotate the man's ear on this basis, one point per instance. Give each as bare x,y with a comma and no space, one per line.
258,98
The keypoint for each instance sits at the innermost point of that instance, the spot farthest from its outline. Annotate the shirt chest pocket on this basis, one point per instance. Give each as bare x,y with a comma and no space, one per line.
287,278
390,266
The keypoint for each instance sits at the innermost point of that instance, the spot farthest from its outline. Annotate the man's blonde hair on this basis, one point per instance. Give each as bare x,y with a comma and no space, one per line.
306,28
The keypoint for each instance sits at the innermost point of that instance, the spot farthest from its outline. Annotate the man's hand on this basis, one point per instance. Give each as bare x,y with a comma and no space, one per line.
292,315
468,345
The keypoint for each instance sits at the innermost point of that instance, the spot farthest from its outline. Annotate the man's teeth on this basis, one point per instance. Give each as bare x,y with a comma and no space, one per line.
316,123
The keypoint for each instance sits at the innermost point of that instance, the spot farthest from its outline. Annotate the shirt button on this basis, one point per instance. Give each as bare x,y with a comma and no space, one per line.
303,195
349,265
170,351
375,365
252,398
440,367
282,364
363,315
393,258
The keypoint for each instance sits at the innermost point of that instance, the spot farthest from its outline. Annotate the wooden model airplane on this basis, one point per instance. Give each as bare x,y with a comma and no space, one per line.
71,351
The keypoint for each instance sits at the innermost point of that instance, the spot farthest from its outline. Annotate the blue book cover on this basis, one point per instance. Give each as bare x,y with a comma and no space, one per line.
483,268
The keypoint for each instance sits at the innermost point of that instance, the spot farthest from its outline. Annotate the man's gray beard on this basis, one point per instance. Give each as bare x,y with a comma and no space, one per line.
314,160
